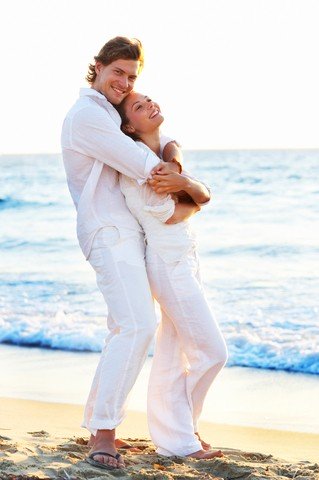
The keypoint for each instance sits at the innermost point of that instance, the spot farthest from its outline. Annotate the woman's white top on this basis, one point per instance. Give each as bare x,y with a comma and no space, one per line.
151,209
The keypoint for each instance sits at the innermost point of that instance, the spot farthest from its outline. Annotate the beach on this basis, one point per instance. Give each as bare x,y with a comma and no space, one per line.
265,422
41,440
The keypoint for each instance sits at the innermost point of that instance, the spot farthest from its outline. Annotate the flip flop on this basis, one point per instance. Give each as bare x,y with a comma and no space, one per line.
105,466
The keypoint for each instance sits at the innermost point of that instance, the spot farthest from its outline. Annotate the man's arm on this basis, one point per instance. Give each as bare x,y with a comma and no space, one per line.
95,134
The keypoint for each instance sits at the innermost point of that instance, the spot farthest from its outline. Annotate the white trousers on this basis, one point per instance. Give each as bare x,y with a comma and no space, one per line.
189,353
118,260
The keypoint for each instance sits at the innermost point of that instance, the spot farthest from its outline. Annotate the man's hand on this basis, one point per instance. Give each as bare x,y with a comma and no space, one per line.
168,183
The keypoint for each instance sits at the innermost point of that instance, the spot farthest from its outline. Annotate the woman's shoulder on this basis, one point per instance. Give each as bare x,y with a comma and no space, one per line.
142,145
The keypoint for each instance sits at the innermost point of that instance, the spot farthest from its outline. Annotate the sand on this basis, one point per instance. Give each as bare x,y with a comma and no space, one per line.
42,440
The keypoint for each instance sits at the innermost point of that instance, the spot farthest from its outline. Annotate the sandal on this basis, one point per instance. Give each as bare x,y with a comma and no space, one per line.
105,466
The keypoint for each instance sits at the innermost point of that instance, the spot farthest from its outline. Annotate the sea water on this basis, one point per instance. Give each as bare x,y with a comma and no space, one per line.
258,243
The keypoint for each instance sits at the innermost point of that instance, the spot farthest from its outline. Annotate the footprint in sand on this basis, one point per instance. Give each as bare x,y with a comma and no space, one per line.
41,433
6,446
256,457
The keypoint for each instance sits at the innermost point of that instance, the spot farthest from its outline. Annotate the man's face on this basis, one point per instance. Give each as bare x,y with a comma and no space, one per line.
116,80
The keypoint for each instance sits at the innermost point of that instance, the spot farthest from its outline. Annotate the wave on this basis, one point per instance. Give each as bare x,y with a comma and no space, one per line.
46,245
63,332
248,346
291,352
265,250
7,203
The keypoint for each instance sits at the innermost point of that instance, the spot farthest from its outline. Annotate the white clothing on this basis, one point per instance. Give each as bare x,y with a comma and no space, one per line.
190,349
118,259
171,242
94,151
152,209
189,353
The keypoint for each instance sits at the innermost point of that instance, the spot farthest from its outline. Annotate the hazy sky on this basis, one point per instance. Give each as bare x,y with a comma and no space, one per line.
227,73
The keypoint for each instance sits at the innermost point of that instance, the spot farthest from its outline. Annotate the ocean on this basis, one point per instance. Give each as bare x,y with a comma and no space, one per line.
258,243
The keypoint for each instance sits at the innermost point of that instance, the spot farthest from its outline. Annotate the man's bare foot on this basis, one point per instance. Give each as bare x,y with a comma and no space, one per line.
205,445
104,441
118,444
203,454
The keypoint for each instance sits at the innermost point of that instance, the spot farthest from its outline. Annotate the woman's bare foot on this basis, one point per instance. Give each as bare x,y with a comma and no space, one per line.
91,441
205,445
118,444
104,441
203,454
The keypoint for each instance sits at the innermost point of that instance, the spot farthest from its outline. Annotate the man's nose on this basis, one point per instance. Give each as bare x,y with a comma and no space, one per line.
124,82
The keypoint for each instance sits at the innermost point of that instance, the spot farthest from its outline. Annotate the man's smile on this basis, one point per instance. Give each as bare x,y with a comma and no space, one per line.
118,90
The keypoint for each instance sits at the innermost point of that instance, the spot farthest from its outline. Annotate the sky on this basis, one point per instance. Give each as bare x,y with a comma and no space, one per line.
228,74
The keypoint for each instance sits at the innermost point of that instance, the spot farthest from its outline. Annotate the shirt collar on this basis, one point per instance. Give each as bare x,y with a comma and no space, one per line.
101,100
91,92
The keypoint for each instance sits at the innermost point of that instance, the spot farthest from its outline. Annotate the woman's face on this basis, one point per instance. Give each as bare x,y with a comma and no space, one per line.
143,114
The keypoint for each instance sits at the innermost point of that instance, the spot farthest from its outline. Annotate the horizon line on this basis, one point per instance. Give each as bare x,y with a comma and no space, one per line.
223,149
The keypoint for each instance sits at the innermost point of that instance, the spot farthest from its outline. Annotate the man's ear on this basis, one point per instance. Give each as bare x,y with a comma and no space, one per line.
128,128
97,67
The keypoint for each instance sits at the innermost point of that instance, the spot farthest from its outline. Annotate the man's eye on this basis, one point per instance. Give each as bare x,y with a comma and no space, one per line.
138,107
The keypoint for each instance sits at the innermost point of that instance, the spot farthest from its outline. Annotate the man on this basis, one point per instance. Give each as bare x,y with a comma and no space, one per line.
94,151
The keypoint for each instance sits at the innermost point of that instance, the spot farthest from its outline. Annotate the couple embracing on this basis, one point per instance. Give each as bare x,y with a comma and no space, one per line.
133,201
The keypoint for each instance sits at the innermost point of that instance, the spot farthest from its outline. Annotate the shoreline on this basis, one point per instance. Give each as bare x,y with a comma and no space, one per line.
64,419
240,396
43,440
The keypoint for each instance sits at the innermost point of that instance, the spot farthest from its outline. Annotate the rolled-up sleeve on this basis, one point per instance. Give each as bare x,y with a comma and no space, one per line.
94,133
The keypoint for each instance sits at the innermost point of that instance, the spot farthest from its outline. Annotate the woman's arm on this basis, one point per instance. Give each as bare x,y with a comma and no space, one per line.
182,212
173,154
175,182
172,160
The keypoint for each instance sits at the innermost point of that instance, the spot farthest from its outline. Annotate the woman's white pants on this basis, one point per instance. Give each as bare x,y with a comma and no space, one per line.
189,350
189,353
118,260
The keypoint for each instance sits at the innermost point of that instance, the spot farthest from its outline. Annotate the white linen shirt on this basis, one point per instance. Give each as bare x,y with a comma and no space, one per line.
94,151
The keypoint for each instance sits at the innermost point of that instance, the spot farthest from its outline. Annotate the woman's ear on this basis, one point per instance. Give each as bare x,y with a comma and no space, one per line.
128,128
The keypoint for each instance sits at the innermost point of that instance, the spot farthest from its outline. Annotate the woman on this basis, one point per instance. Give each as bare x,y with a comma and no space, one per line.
190,349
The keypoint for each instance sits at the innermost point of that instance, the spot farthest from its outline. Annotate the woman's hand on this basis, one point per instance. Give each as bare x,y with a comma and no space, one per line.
164,168
168,183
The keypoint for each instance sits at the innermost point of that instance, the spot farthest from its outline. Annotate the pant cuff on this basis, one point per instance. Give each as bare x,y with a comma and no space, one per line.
96,424
91,430
181,452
